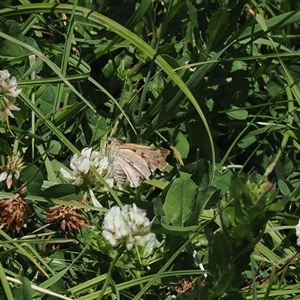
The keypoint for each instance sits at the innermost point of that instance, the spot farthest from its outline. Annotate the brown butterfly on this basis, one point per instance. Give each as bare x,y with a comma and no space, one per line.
133,161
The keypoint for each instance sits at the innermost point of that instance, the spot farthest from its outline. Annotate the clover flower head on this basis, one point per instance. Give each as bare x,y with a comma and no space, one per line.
14,212
8,92
126,225
11,170
68,218
81,164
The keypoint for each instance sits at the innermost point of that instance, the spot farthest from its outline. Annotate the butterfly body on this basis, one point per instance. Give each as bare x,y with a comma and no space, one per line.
134,162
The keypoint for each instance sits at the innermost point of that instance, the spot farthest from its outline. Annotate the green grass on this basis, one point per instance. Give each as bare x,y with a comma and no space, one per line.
216,82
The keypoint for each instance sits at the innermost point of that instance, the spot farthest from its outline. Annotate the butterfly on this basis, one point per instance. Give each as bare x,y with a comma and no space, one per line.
134,162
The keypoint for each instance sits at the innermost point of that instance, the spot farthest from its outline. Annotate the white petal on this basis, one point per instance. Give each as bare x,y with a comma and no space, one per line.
103,165
64,172
297,227
13,107
84,167
4,174
4,74
8,112
14,93
95,202
67,175
129,246
74,161
86,152
3,84
110,238
12,82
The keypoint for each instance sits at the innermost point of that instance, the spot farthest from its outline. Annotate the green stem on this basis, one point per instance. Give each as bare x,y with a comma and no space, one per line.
108,277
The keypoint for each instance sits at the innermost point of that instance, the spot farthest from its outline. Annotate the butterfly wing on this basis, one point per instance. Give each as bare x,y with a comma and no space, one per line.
154,157
116,173
134,166
115,170
134,162
133,176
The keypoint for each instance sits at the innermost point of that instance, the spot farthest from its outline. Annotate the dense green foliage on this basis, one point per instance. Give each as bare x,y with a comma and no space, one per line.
216,82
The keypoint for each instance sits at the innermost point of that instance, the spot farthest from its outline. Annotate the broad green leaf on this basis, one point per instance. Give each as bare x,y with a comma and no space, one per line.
55,147
222,180
283,187
246,142
45,95
219,259
9,48
207,195
62,190
179,141
5,150
193,13
275,88
177,230
204,196
201,174
26,288
217,25
180,200
33,176
237,114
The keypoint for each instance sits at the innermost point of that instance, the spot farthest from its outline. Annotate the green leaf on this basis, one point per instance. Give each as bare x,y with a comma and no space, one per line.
246,142
237,114
6,289
55,147
33,176
283,187
177,230
9,48
222,180
194,14
62,190
206,195
26,288
45,96
219,260
179,141
180,200
50,282
5,149
156,85
217,25
201,174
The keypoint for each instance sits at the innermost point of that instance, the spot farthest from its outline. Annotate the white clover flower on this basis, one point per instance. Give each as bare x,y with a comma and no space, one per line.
8,91
81,165
126,225
11,170
298,233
